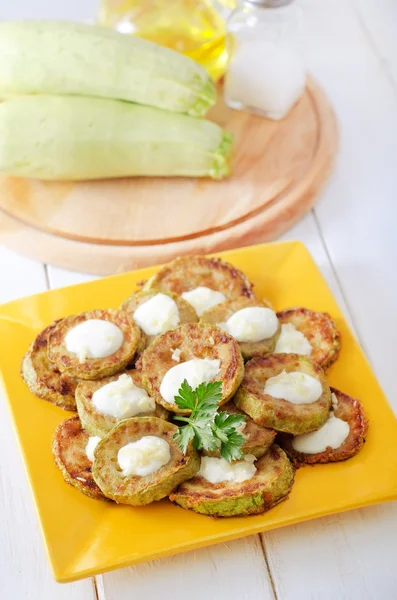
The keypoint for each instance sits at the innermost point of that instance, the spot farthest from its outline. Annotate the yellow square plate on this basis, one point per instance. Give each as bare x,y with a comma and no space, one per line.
85,536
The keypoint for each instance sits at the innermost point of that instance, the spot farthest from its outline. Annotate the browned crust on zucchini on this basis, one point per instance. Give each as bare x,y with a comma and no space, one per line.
350,410
319,329
95,368
43,378
280,414
136,490
194,341
68,447
220,313
188,272
270,485
95,422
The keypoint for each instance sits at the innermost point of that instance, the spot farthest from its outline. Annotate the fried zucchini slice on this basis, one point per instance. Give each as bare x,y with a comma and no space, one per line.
43,378
280,414
269,486
257,439
94,421
188,272
320,331
139,490
187,314
95,368
347,409
220,313
192,340
68,446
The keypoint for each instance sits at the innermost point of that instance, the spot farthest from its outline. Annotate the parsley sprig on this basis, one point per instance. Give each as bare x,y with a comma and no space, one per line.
208,429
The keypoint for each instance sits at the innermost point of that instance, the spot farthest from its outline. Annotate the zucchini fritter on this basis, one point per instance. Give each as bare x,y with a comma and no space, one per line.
188,272
258,439
43,378
94,421
347,409
269,486
222,312
187,314
139,490
68,446
192,340
320,331
280,414
95,368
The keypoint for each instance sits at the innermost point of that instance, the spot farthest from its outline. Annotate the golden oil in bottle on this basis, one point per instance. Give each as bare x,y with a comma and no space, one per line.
195,28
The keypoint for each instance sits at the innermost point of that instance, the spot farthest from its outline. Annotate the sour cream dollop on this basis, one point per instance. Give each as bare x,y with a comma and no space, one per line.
203,298
144,457
216,470
195,371
122,399
292,340
252,324
92,443
295,387
157,315
331,435
94,338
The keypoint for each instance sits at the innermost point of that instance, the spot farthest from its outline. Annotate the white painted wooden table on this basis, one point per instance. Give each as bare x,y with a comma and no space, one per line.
352,50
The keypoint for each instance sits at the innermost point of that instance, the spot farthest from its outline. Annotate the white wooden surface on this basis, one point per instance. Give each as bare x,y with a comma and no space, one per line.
352,49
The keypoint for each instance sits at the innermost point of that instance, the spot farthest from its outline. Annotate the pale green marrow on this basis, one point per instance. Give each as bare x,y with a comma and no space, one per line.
46,57
75,138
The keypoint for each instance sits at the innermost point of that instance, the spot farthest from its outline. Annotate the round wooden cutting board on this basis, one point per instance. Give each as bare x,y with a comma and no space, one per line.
110,226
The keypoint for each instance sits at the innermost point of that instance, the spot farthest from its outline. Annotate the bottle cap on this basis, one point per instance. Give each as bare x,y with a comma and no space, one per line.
270,3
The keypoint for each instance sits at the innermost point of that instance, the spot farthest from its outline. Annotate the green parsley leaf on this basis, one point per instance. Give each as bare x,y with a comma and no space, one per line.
208,429
228,421
231,450
202,402
183,437
207,441
187,397
208,397
225,429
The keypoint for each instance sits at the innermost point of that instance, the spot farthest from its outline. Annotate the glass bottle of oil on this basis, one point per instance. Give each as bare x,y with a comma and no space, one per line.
196,28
